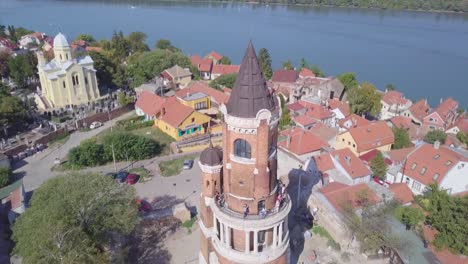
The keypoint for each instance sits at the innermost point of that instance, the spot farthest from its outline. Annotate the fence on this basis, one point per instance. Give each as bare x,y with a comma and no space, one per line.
104,116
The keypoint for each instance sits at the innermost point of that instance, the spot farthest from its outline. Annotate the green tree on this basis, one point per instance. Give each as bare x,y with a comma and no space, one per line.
287,65
5,176
120,46
86,37
137,42
225,60
348,79
402,139
12,109
130,146
304,64
435,135
463,137
88,153
365,100
22,69
227,80
123,99
265,63
105,68
448,214
317,71
2,31
4,70
390,87
378,166
409,216
165,44
72,218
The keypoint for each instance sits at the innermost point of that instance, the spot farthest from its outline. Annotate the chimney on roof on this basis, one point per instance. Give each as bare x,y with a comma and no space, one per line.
436,144
288,141
368,129
348,160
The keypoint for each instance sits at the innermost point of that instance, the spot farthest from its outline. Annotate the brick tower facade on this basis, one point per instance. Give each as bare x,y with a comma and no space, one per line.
243,210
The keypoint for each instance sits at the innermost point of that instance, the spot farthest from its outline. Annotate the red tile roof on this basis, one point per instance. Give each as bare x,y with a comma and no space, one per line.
342,106
397,156
447,106
462,124
419,109
175,113
324,162
394,98
370,155
288,76
401,122
338,194
225,69
203,65
214,55
297,106
316,111
444,256
149,103
435,161
301,141
324,132
371,136
7,43
350,163
306,73
402,192
216,95
355,121
304,120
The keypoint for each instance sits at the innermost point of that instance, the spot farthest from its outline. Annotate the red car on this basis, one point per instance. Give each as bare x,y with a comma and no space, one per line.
132,178
143,206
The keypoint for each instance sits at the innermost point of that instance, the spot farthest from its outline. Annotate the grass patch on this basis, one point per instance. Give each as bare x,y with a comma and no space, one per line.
144,174
60,140
174,167
318,230
189,223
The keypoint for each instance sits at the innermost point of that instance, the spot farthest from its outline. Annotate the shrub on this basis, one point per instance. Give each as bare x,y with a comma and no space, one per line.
88,153
130,146
5,176
333,244
134,123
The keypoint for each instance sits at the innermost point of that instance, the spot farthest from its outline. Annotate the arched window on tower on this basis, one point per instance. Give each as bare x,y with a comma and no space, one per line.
66,55
242,148
61,57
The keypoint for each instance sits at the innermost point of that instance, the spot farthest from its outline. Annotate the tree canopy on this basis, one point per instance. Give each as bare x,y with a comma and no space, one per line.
72,218
365,100
226,80
463,137
378,166
86,37
5,176
287,65
12,109
23,69
409,216
137,41
165,44
225,60
402,139
265,63
435,135
348,79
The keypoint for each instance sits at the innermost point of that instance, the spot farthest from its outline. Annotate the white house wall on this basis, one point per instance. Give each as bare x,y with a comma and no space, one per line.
456,179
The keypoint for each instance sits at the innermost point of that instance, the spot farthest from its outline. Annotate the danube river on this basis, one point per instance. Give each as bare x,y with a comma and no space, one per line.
425,55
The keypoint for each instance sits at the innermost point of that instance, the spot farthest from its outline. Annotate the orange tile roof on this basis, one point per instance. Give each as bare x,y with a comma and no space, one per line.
214,55
462,124
295,106
435,161
342,106
149,103
351,164
306,73
338,193
175,113
304,120
394,97
399,155
200,86
355,120
419,109
324,162
401,122
444,256
203,65
301,141
318,112
288,76
225,69
371,136
324,132
402,192
447,106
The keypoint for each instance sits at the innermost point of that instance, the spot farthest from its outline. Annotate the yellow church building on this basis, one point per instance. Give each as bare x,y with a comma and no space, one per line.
65,80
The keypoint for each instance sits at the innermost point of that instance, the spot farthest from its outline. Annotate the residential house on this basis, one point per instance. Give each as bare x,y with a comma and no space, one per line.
155,87
281,89
418,111
453,142
402,193
442,117
13,198
221,69
325,133
304,121
393,104
306,73
284,76
149,105
204,66
435,164
176,76
352,120
31,40
180,121
342,166
215,57
307,111
216,97
460,125
338,194
322,88
339,108
362,139
7,45
300,144
414,131
397,158
194,99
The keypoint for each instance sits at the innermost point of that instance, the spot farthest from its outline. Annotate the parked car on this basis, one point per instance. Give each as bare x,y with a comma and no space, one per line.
143,206
121,176
188,164
95,125
132,178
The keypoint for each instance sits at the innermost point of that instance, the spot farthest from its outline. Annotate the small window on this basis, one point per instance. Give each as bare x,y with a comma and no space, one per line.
64,86
343,139
207,183
448,163
86,80
437,156
423,170
61,58
414,166
436,176
193,119
349,143
73,81
242,148
241,183
66,55
354,145
77,82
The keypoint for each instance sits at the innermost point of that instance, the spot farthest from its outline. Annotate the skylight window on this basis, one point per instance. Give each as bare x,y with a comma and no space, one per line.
448,163
423,170
436,176
437,156
414,166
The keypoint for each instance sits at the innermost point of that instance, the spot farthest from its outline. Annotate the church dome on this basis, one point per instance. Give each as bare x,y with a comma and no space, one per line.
60,41
211,156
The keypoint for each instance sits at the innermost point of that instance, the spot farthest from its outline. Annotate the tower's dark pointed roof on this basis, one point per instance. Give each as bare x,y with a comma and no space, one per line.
250,93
